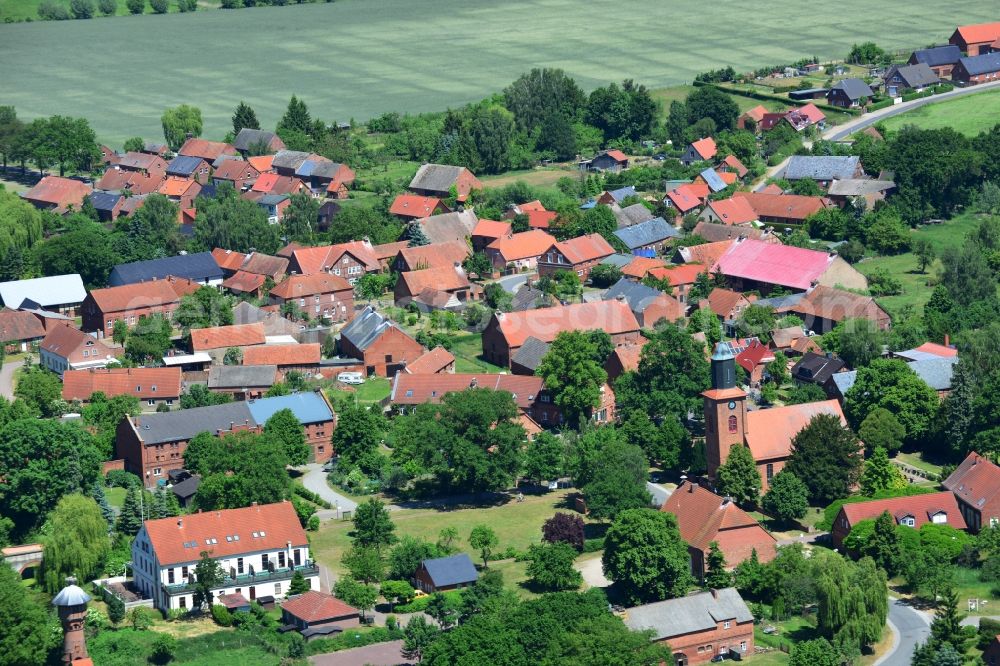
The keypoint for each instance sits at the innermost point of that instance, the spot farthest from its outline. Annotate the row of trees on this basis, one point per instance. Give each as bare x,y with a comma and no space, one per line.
68,143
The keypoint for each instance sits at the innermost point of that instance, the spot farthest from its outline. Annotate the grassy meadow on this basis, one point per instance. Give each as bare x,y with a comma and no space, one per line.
969,115
358,59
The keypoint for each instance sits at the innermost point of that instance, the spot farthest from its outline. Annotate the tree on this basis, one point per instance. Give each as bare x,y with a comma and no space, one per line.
543,459
880,474
716,576
881,429
611,473
134,144
180,122
787,498
40,389
119,332
77,544
149,339
244,116
298,584
204,308
626,112
573,376
357,594
164,646
131,517
27,635
444,609
739,477
605,275
285,426
710,102
645,556
301,218
892,385
564,528
234,223
397,592
296,118
358,435
108,7
406,556
757,320
483,539
372,525
159,6
418,635
816,652
136,6
208,576
541,94
924,251
551,567
947,624
82,9
826,456
116,609
365,564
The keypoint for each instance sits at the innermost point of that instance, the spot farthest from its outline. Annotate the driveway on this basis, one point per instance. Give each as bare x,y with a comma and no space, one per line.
511,283
593,572
314,479
911,627
658,493
7,378
378,654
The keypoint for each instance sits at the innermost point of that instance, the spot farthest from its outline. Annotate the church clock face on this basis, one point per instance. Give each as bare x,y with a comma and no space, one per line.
732,404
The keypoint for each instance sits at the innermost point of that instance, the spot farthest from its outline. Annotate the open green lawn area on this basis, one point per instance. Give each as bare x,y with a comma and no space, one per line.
541,177
468,351
374,389
969,115
517,524
357,59
116,496
904,267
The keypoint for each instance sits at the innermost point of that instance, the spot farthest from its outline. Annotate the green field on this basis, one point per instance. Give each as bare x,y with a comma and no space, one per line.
969,115
357,59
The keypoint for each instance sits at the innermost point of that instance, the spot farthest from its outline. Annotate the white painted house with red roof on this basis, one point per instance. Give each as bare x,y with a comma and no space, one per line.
259,548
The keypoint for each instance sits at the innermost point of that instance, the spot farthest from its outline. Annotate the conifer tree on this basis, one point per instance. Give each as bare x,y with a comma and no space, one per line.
97,492
716,577
296,118
245,116
130,519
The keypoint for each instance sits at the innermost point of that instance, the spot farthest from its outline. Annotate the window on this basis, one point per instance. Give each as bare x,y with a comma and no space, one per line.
157,471
281,559
296,557
86,353
151,402
939,518
182,602
743,646
239,565
732,424
277,589
770,472
346,260
170,576
725,625
184,572
263,561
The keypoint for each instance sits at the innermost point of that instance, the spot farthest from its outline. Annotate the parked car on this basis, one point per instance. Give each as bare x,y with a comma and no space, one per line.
351,378
732,654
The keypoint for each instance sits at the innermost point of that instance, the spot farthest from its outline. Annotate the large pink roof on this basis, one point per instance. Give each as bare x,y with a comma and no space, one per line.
783,265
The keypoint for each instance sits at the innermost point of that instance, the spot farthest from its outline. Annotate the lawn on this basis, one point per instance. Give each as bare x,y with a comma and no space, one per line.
116,497
468,351
373,390
356,59
969,115
542,177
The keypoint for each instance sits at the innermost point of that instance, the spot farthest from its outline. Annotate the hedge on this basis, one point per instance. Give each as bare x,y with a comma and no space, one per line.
884,104
593,545
778,98
302,491
420,604
918,95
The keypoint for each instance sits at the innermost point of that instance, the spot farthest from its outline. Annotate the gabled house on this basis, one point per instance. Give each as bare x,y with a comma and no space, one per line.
151,386
728,305
913,511
538,217
733,165
206,150
304,358
257,142
316,614
701,150
181,191
199,267
751,264
136,183
848,93
437,180
55,293
901,78
780,209
409,207
823,169
147,163
649,305
191,168
107,204
441,288
977,69
381,346
487,231
447,227
681,278
578,255
649,237
685,198
750,119
854,191
630,215
824,307
818,368
445,573
238,173
20,330
975,39
614,161
754,359
318,296
976,486
67,348
793,341
347,260
941,59
272,183
130,302
274,205
715,180
611,197
60,195
519,251
735,211
221,338
437,360
435,255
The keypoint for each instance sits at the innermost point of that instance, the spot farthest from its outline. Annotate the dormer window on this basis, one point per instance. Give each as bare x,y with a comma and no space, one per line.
939,518
908,521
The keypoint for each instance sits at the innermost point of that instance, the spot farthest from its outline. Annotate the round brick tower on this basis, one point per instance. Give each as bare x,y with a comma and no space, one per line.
71,603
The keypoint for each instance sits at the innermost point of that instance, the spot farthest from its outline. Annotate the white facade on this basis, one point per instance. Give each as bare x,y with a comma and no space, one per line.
252,573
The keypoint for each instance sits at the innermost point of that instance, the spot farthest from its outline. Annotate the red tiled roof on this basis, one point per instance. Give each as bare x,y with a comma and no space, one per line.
64,340
265,264
617,155
521,246
530,206
585,248
435,255
134,181
317,259
784,206
640,266
613,316
937,350
727,177
174,186
704,517
272,183
491,229
261,163
389,250
304,354
976,481
755,354
771,189
783,265
143,294
141,161
206,150
417,389
628,356
274,524
432,362
299,286
228,260
315,607
221,337
679,275
921,507
736,210
17,326
61,192
732,162
769,432
442,278
812,112
540,219
980,32
688,196
837,305
756,113
705,148
722,301
235,170
244,282
142,383
414,205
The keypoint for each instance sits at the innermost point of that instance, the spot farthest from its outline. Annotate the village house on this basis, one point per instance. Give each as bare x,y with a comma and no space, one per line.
445,573
347,260
822,308
151,386
819,368
727,304
732,164
242,382
272,183
56,293
381,346
519,252
782,209
206,150
639,267
793,341
67,348
442,288
181,191
941,59
130,302
60,195
647,238
317,614
435,255
976,486
649,305
914,511
136,183
704,517
199,267
455,226
976,39
304,358
754,359
823,169
578,255
317,296
612,197
437,360
680,278
408,207
899,79
256,263
259,548
701,150
633,214
750,119
141,162
507,331
805,116
274,205
189,168
238,173
20,330
717,232
848,93
977,69
538,217
751,264
867,191
735,211
153,444
698,626
437,180
614,161
215,340
716,180
108,205
257,142
487,231
685,198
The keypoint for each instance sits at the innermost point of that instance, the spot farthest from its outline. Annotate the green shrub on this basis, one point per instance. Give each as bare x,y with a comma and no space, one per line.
82,9
159,6
353,638
313,524
420,604
136,6
119,478
884,104
593,545
304,492
222,616
108,7
53,11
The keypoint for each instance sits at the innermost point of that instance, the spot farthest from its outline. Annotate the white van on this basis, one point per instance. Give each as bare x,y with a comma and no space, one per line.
350,378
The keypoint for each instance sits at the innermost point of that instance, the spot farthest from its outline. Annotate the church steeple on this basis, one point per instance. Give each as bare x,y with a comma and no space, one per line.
725,409
723,367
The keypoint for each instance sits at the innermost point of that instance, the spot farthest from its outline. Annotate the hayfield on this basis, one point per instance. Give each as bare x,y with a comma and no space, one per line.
357,59
969,115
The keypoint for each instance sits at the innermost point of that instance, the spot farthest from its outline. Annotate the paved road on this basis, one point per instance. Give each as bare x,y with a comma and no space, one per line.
593,572
7,378
314,479
658,492
511,283
911,627
378,654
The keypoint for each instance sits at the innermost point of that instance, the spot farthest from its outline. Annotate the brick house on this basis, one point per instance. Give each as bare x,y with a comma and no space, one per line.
977,69
701,150
189,168
941,59
578,255
976,485
437,360
217,339
520,251
60,195
153,444
754,359
20,330
303,357
206,150
316,614
915,511
180,190
848,93
347,260
487,231
67,348
238,173
649,305
379,343
975,39
698,626
152,386
408,207
824,307
506,332
443,288
735,211
434,255
436,180
129,302
320,295
727,304
255,141
445,573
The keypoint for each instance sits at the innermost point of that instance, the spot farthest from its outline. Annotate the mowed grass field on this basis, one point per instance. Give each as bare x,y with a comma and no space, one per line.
969,115
357,59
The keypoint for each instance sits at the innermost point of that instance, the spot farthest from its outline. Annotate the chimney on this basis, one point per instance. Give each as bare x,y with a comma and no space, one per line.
691,488
715,593
947,340
180,522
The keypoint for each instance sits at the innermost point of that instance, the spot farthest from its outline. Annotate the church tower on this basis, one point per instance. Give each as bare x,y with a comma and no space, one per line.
725,410
71,603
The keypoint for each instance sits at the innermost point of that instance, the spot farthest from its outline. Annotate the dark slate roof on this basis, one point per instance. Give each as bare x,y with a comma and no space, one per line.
105,200
637,295
365,328
435,177
182,165
208,191
647,233
452,570
817,368
622,193
853,88
161,427
822,167
326,169
240,376
936,373
528,298
530,354
247,138
633,214
714,181
272,199
982,64
685,615
938,55
915,76
186,488
619,260
289,159
198,267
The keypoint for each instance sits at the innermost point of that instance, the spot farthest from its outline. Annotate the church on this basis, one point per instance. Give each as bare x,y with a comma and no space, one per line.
768,433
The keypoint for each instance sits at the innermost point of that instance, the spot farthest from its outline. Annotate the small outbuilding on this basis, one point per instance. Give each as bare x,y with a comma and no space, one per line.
446,573
317,614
